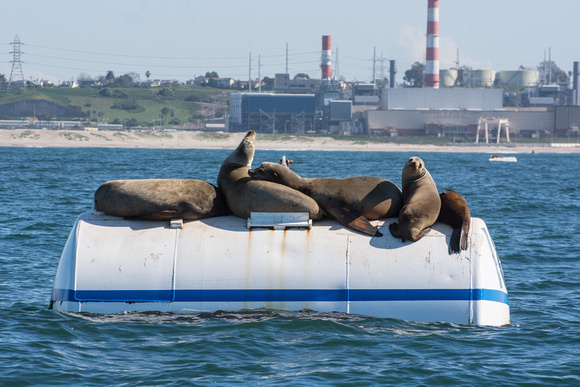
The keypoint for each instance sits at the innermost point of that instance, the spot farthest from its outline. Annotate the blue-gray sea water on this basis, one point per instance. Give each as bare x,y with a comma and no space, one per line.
532,210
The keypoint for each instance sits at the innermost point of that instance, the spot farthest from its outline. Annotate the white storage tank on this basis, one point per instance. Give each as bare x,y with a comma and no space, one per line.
448,77
478,78
277,261
519,78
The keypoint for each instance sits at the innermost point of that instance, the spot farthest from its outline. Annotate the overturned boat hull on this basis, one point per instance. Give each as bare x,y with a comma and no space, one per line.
112,265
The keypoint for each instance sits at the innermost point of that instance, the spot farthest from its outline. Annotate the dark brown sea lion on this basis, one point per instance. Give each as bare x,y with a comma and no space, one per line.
245,195
421,202
352,201
455,212
160,199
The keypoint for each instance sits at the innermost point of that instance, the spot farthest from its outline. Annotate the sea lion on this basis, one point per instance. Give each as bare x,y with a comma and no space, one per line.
245,195
455,212
421,202
160,199
352,201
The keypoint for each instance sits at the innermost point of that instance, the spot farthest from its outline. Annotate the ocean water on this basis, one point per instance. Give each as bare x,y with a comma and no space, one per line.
532,210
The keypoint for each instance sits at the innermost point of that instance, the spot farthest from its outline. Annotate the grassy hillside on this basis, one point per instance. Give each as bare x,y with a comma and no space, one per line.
140,106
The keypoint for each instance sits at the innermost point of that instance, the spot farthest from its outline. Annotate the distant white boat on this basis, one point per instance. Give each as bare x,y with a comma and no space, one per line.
511,159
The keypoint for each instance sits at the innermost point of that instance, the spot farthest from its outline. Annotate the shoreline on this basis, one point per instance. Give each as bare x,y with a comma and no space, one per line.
221,140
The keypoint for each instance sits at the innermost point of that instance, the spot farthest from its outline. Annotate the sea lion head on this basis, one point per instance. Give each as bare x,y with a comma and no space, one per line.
414,169
247,148
267,171
243,155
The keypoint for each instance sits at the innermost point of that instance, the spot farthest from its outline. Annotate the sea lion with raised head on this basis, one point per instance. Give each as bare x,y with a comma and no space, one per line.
245,195
421,202
455,213
160,199
352,201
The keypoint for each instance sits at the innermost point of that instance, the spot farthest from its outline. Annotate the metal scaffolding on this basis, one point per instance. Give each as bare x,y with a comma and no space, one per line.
483,122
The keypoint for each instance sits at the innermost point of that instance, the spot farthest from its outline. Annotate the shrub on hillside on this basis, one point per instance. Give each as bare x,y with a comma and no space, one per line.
113,93
128,105
165,92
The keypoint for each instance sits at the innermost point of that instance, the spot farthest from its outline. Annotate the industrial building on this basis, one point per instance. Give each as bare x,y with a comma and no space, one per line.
300,84
467,103
272,113
459,102
300,105
559,120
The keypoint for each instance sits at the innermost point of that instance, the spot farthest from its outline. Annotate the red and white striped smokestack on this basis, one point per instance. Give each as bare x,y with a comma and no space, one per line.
432,64
325,65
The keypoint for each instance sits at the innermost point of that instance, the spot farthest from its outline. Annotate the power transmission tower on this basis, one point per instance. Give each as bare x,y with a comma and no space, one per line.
16,71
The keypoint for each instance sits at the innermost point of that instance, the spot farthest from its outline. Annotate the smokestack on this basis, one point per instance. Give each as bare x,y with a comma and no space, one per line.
325,65
575,92
392,72
575,76
432,65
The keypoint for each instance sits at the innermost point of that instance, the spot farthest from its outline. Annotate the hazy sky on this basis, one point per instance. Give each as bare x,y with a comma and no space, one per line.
178,39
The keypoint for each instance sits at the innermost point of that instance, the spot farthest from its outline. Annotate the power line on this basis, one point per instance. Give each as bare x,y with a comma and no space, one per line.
298,62
164,57
131,64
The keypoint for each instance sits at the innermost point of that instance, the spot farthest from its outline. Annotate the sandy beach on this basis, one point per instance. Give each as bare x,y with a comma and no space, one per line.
220,140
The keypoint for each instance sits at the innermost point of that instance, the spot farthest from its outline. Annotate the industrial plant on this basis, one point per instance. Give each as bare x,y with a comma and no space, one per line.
465,103
480,103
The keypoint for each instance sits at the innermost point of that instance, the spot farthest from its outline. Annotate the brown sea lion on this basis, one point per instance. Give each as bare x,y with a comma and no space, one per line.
421,202
245,195
160,199
455,212
352,201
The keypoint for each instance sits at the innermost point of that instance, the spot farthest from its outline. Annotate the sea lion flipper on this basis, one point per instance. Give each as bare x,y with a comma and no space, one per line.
394,229
422,233
455,241
354,220
363,225
463,243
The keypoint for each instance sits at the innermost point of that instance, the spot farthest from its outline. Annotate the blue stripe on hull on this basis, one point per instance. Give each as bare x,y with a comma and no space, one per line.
280,295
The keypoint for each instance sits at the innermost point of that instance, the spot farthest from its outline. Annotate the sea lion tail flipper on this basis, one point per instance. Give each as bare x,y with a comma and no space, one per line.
394,229
455,242
355,221
463,243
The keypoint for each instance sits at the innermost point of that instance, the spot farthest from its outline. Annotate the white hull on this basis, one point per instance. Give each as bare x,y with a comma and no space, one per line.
112,265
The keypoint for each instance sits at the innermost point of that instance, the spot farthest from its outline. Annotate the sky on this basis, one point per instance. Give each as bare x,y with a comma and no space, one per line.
179,39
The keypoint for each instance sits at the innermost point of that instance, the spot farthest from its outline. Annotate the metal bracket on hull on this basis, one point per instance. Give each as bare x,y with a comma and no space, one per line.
279,220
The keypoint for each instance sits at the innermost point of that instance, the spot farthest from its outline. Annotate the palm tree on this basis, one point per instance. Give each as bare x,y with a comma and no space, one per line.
147,74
